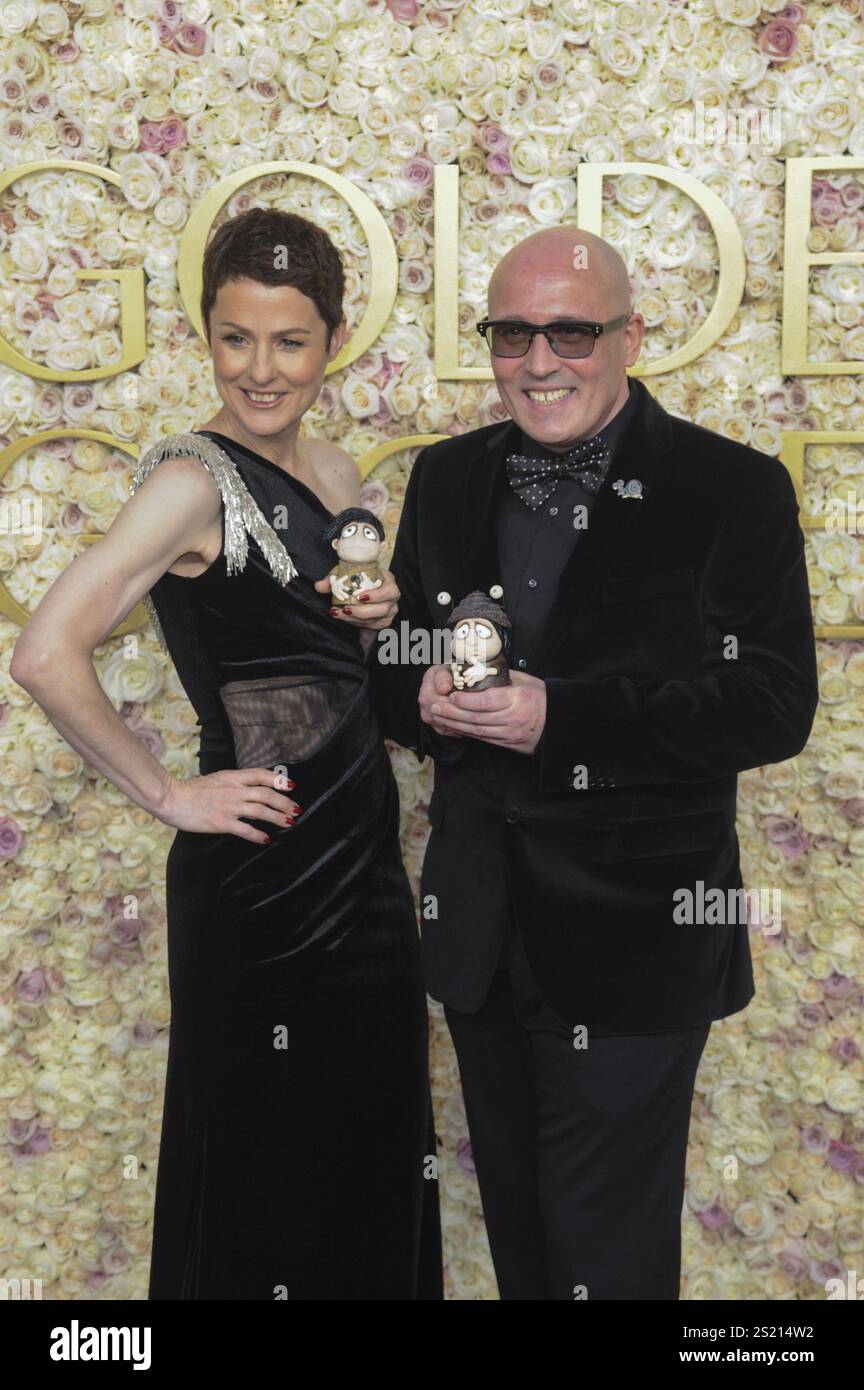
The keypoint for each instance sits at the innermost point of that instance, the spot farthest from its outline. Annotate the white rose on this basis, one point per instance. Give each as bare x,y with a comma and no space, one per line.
139,181
136,678
359,397
738,11
17,15
620,54
843,284
529,159
48,473
550,200
52,21
28,254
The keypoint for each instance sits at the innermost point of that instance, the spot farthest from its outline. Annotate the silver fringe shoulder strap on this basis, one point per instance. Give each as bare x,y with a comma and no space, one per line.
242,513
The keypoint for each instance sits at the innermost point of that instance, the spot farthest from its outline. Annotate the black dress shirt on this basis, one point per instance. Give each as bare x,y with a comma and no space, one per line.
534,546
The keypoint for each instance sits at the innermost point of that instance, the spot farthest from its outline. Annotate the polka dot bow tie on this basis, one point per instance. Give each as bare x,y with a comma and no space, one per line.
535,479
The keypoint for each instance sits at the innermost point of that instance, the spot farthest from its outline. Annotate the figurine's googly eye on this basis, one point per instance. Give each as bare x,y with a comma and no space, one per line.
370,533
482,630
349,530
462,630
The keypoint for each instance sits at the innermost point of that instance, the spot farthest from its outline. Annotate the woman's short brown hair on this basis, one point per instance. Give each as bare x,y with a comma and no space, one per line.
277,248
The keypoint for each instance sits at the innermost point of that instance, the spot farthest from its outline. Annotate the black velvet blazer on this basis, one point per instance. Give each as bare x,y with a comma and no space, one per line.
678,653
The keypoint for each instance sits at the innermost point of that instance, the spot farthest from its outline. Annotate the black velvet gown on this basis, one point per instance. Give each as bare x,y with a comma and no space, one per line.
297,1150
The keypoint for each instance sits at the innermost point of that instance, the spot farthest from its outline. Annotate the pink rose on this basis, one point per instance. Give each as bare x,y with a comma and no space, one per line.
811,1015
549,75
841,1156
65,52
492,138
778,40
819,842
838,986
327,399
125,931
150,137
12,837
191,39
46,305
712,1217
404,11
173,133
853,810
388,370
498,163
465,1157
71,520
79,399
32,986
166,31
793,1266
797,395
21,1131
845,1050
115,1258
151,738
143,1033
374,497
828,207
794,13
69,133
418,171
815,1139
795,846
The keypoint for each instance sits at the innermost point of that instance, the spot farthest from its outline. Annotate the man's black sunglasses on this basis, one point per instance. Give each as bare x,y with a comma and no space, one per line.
567,337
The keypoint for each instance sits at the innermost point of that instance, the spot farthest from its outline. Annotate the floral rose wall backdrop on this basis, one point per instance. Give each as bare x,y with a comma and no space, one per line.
172,98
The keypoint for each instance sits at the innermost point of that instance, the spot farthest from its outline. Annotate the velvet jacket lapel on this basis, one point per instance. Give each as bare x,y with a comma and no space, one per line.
612,528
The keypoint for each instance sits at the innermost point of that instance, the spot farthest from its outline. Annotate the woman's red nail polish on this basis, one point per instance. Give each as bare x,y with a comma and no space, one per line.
346,610
364,598
266,839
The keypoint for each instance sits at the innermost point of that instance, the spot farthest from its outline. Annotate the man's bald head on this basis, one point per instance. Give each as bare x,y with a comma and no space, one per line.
595,275
562,274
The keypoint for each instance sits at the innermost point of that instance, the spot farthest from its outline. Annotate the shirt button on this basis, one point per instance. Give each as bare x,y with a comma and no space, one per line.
553,511
521,663
532,583
512,815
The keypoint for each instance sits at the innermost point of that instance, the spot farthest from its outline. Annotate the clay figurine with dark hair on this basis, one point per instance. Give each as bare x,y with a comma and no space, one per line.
480,643
357,537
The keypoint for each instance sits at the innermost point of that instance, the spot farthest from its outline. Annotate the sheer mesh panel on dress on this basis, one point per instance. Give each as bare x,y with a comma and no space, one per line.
283,718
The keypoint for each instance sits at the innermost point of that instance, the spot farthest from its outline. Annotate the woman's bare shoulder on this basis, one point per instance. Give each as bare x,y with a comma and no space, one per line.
336,471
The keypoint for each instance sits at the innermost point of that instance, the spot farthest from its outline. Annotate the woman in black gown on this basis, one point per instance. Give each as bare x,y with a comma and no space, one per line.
297,1150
